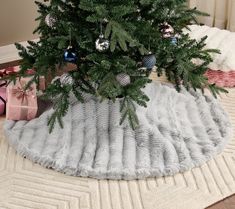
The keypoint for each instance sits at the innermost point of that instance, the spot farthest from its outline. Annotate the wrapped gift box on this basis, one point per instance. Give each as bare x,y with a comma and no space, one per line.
15,70
21,104
7,71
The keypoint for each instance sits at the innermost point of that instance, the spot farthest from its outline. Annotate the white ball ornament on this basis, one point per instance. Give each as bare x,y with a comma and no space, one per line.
55,79
123,79
66,79
50,21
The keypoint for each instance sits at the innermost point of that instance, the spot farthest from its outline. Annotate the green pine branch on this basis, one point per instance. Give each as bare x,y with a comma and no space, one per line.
132,27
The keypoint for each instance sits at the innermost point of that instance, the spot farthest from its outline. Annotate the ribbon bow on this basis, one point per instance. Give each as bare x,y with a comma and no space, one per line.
3,83
22,94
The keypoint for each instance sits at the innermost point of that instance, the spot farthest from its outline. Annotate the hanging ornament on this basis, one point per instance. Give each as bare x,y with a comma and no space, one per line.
70,55
55,79
139,18
66,79
123,79
167,30
50,21
101,43
174,40
149,61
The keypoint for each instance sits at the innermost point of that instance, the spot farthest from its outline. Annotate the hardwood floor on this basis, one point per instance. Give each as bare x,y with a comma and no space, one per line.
228,203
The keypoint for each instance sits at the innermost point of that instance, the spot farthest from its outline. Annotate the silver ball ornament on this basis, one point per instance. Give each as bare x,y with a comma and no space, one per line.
66,79
55,79
123,79
50,21
102,44
167,30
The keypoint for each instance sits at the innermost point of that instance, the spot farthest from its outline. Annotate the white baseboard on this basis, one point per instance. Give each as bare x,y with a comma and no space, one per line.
9,53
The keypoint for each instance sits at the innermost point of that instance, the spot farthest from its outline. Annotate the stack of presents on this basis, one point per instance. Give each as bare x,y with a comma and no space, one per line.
16,102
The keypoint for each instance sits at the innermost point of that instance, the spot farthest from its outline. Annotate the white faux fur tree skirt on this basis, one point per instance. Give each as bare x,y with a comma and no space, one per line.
177,132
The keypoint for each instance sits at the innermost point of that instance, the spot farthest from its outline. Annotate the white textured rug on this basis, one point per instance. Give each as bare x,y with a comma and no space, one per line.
223,40
177,132
25,185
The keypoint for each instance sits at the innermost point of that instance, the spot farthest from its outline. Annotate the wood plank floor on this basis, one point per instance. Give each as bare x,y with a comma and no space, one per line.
228,203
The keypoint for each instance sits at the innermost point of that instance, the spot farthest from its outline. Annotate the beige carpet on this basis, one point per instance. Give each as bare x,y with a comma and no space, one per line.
24,185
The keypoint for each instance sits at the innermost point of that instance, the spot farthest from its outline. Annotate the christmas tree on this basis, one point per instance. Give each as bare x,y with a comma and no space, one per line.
114,45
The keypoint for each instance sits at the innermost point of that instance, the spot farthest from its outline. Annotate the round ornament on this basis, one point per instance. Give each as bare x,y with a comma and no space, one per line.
55,79
105,20
70,55
149,61
123,79
167,30
174,40
66,79
102,44
50,21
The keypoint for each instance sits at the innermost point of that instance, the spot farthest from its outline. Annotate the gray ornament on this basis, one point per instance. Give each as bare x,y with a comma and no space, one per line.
66,79
149,61
50,21
102,44
123,79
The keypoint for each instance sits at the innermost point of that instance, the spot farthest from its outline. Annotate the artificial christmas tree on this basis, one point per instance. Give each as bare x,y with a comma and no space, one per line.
115,45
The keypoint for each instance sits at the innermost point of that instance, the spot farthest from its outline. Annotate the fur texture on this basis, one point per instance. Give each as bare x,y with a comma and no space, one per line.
177,132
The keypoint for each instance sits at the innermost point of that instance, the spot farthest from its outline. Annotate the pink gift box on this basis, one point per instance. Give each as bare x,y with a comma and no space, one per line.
21,105
42,83
15,70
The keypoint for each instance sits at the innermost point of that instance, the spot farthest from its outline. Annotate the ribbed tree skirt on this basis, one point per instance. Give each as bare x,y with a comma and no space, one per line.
178,131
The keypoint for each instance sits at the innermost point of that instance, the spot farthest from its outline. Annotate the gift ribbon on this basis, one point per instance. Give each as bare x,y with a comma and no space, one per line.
1,98
3,84
23,95
4,101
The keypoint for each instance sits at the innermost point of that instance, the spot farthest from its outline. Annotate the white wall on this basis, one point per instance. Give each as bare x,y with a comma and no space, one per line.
17,20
